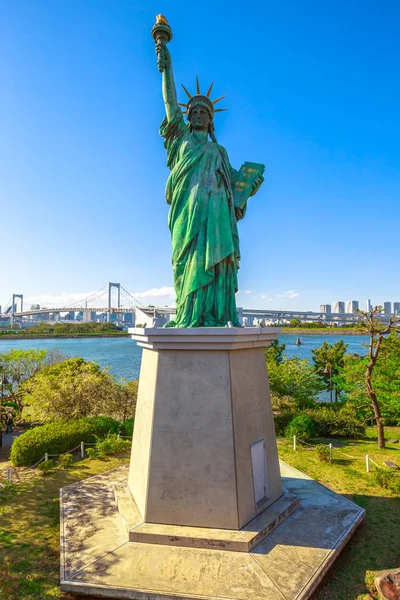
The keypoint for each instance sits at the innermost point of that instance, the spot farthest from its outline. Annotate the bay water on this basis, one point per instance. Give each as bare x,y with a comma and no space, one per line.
123,355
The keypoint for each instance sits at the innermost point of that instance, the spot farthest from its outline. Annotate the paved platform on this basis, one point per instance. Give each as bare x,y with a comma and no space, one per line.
98,559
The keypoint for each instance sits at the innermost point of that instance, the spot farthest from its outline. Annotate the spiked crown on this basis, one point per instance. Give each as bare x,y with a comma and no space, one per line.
205,101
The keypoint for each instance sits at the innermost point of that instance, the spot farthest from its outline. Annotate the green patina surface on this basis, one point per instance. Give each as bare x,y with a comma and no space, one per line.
205,204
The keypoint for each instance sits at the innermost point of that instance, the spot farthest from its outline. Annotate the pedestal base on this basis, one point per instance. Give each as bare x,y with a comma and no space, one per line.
97,558
204,448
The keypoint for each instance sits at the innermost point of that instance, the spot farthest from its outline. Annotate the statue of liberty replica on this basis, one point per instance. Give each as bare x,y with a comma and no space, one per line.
206,196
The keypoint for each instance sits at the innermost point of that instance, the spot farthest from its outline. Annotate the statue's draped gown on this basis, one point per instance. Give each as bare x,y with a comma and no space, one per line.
202,220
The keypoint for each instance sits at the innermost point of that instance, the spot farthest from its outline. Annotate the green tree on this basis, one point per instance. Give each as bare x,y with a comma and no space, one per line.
385,381
328,363
18,365
295,323
71,389
127,401
294,378
275,352
376,376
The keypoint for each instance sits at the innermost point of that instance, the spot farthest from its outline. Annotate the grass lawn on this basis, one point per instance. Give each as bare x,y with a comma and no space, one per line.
376,543
29,531
29,522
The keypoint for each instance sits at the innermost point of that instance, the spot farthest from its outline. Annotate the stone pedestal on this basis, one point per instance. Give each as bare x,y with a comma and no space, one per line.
204,449
202,511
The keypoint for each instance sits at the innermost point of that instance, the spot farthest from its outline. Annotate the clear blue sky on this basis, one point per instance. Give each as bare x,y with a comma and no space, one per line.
313,92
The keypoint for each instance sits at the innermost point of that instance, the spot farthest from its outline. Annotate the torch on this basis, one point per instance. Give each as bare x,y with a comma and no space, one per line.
162,34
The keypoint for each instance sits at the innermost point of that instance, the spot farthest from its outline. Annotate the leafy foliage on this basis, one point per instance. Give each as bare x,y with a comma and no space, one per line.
274,353
111,444
323,453
73,389
65,461
126,428
385,380
389,480
58,437
294,378
18,365
282,420
302,427
330,358
46,467
333,422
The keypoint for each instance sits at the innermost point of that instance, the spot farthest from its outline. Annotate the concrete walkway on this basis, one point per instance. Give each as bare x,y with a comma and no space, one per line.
97,556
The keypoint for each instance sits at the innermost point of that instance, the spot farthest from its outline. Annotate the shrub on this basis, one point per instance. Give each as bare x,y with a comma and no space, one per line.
58,437
46,467
282,420
7,488
65,461
126,428
91,452
111,445
389,480
302,427
323,453
340,423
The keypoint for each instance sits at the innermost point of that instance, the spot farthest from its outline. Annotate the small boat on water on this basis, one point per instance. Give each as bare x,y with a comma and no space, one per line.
299,341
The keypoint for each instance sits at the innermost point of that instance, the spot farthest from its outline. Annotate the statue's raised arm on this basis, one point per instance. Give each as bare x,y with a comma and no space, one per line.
162,34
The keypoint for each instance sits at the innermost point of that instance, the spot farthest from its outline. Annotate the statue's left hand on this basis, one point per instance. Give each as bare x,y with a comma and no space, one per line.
257,184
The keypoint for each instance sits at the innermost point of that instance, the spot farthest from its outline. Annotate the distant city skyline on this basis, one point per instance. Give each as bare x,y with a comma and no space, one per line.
165,296
83,167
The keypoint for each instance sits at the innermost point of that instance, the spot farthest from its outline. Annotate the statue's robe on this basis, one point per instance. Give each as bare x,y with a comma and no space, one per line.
202,220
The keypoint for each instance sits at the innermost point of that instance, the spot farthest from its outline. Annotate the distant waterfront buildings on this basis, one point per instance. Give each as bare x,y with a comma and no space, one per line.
387,308
352,306
325,308
338,307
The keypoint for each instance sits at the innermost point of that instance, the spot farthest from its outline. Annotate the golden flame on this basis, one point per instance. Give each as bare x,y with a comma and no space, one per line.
161,19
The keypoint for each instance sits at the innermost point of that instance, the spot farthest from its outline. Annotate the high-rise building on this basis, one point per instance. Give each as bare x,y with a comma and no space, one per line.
338,307
369,305
352,306
396,307
325,308
388,308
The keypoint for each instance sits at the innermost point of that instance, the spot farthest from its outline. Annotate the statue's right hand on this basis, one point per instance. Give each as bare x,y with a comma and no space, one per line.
163,56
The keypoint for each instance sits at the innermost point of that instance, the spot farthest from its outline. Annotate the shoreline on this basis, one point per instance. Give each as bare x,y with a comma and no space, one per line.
284,331
338,331
46,336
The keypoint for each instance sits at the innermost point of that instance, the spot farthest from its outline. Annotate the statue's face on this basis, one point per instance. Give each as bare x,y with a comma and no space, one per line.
199,118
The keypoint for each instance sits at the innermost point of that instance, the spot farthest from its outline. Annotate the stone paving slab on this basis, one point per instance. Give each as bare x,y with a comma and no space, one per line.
99,560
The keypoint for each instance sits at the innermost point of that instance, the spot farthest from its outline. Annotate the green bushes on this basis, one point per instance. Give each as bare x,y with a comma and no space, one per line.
328,422
65,461
282,421
126,428
302,427
323,453
109,445
336,423
389,480
46,467
58,437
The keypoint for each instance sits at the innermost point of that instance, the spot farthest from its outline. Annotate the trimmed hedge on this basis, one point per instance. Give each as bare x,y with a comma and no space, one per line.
58,437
